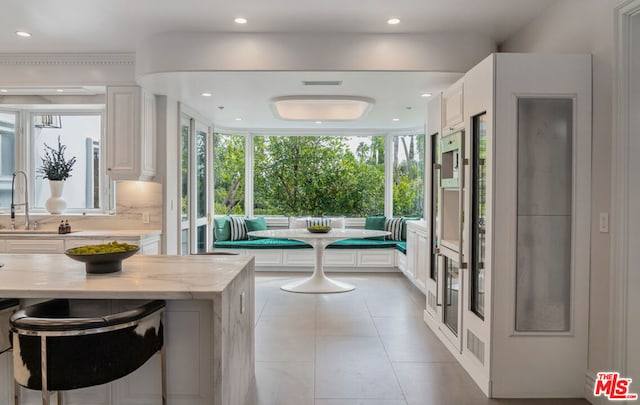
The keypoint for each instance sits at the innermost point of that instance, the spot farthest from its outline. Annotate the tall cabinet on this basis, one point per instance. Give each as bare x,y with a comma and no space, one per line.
508,291
131,133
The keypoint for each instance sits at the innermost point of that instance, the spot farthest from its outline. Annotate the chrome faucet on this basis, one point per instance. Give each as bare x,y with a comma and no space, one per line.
25,203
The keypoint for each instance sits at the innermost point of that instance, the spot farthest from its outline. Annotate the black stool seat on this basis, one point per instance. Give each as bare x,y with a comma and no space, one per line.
85,345
8,303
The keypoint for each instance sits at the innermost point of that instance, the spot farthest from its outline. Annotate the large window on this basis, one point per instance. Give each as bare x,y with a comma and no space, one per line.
81,134
24,136
7,155
229,173
319,175
408,175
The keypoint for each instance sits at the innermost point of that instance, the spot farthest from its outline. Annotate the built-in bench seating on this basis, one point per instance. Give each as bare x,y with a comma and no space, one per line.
343,255
269,243
290,255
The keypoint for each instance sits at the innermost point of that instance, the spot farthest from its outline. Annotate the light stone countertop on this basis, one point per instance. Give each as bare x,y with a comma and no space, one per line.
87,234
142,277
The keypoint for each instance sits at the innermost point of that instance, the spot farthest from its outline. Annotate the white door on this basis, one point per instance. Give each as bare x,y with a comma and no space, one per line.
542,217
626,198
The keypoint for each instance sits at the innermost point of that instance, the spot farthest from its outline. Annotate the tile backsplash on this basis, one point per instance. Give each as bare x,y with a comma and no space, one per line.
134,200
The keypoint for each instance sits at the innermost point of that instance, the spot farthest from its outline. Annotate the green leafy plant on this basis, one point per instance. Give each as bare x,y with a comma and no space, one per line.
54,165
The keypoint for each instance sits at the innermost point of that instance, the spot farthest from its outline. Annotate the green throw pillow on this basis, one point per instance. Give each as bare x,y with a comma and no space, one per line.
222,227
375,223
255,224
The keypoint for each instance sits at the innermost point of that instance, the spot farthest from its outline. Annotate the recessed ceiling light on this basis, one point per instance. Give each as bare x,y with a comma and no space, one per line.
318,122
24,34
60,90
395,119
393,21
240,20
3,90
206,94
238,119
426,95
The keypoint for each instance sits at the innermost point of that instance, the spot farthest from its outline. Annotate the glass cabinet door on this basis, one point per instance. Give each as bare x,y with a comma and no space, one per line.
435,213
478,213
451,294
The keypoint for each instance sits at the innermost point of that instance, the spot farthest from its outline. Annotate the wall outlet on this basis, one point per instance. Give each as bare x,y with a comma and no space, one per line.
145,218
604,222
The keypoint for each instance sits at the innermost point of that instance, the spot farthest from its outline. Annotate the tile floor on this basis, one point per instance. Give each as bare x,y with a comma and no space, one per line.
365,347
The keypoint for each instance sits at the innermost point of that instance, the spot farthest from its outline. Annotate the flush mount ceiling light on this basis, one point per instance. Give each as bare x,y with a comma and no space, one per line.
240,20
206,94
395,119
393,21
425,95
321,108
23,34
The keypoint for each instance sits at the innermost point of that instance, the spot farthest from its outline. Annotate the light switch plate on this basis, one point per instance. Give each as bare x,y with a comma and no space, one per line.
604,222
145,218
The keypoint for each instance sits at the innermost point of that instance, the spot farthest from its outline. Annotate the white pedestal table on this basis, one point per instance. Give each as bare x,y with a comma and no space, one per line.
318,283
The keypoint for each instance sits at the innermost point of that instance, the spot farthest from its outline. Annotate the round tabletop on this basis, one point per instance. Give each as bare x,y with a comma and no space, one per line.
303,234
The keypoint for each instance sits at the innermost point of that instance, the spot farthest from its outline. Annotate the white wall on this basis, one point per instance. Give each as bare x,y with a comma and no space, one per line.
586,26
215,51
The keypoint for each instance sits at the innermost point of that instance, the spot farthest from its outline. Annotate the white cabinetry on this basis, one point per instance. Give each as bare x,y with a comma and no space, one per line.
131,133
34,246
417,253
513,245
453,106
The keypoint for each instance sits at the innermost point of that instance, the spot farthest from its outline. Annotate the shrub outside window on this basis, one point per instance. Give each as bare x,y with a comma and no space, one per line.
318,175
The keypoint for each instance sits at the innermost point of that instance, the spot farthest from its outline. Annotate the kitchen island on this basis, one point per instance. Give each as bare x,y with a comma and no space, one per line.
209,324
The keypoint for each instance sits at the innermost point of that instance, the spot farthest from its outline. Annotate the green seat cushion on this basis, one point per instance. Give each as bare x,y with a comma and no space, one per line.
255,224
222,228
363,244
402,247
267,243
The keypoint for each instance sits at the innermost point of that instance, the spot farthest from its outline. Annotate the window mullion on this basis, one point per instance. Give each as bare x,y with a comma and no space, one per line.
388,175
248,170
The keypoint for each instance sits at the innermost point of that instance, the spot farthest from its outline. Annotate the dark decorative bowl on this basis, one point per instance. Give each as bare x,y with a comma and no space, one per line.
318,229
100,263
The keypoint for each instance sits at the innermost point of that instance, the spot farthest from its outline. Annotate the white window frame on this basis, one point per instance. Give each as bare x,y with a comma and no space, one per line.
282,221
25,157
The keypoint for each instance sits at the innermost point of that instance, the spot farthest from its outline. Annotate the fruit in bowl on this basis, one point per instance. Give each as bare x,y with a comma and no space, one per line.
318,228
104,258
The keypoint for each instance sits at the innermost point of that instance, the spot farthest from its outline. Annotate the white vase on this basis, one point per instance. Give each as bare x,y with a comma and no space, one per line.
56,204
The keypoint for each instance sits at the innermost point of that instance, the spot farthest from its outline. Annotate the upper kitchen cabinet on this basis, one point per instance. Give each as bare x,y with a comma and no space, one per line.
131,133
453,106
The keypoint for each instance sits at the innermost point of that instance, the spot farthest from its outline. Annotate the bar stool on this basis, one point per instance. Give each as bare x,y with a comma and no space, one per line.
62,345
7,307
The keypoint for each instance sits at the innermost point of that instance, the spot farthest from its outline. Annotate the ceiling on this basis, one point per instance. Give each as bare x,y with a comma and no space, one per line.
247,96
98,26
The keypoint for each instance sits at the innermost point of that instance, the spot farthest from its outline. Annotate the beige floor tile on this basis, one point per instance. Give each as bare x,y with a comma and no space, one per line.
282,383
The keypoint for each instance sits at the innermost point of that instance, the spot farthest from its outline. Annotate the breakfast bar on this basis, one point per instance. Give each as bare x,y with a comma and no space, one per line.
209,322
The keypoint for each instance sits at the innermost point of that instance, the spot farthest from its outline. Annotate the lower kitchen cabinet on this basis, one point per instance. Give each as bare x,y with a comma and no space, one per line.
417,253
